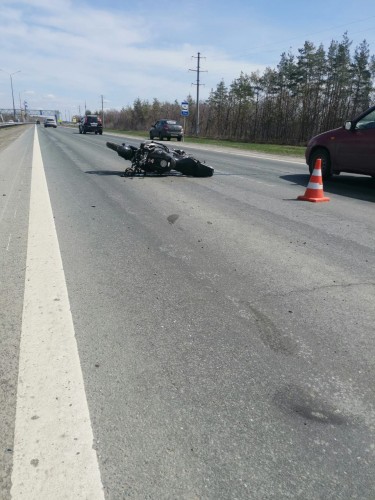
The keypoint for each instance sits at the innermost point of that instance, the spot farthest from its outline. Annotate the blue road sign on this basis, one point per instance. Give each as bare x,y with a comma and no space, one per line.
184,112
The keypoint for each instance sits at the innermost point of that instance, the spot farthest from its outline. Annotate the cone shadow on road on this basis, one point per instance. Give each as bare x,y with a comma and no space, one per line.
351,186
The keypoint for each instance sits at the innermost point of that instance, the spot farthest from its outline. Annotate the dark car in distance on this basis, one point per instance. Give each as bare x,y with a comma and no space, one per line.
350,148
168,129
91,123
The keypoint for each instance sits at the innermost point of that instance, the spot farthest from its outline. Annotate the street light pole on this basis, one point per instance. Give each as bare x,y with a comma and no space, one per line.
11,86
102,96
14,108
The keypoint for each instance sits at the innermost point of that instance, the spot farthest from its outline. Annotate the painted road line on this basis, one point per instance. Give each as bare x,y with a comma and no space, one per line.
9,240
53,445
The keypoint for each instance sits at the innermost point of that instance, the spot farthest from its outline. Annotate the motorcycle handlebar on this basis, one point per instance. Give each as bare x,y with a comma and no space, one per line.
113,146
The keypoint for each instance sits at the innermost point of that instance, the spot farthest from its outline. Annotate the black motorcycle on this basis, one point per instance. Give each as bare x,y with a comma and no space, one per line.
153,157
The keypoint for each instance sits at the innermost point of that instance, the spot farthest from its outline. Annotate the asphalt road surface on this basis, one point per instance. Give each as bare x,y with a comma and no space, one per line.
182,338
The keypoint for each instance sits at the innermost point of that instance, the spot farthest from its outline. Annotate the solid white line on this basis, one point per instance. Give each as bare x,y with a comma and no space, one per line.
9,239
249,154
53,445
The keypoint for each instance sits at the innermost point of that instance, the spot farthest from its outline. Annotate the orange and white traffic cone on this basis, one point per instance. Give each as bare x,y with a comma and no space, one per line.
314,191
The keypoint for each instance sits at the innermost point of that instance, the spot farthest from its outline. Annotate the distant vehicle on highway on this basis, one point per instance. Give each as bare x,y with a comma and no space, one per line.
350,148
50,122
91,123
166,128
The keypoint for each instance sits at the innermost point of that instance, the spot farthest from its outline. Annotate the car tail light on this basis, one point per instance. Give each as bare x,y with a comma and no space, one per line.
165,127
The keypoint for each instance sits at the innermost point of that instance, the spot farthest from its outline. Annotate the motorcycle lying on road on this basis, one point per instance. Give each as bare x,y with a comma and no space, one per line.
153,157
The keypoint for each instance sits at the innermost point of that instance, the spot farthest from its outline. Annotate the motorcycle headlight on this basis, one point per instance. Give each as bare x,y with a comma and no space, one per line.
163,163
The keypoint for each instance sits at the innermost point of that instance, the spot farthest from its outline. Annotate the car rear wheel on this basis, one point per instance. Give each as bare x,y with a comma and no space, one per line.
326,162
160,137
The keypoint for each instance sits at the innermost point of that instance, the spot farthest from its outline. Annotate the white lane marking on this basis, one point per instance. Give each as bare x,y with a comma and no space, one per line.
9,239
249,154
265,183
53,445
252,155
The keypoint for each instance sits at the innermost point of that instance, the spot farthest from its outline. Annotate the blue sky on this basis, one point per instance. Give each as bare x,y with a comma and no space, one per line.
71,52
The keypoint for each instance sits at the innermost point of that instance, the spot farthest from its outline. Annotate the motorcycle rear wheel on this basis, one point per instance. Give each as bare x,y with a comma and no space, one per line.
202,170
196,169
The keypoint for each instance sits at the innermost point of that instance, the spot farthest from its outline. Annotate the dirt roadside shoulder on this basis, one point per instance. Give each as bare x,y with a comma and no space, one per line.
9,134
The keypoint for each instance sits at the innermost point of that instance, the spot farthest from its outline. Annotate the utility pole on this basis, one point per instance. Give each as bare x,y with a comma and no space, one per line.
19,95
102,96
198,84
11,86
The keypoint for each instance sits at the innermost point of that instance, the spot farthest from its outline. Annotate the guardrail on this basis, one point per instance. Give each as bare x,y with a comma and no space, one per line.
6,125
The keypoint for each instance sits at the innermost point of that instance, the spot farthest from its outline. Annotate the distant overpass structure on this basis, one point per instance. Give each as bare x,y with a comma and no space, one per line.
34,113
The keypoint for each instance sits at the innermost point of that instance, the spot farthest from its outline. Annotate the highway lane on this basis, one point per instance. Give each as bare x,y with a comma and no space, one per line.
225,330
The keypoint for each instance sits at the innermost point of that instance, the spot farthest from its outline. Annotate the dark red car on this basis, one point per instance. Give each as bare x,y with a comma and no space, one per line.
350,148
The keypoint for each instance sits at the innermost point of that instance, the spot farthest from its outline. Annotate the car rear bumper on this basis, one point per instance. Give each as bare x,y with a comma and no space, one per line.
93,129
173,135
